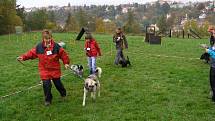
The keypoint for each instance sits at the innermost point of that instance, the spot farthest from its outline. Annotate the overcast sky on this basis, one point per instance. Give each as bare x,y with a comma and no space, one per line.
42,3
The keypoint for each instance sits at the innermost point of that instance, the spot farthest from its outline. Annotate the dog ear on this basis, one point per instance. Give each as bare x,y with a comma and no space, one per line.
81,67
96,71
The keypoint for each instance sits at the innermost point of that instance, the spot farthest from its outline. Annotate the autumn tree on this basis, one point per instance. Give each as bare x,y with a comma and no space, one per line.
131,26
110,27
100,25
71,23
162,24
8,17
37,20
82,18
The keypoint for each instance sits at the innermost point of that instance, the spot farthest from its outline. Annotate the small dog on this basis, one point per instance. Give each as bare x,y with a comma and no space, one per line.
77,70
206,57
125,63
92,85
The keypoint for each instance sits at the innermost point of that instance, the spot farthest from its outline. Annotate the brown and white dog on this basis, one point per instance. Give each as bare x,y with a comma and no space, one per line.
92,85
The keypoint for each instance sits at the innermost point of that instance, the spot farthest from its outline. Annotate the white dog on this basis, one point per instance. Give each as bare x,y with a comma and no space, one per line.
77,70
92,85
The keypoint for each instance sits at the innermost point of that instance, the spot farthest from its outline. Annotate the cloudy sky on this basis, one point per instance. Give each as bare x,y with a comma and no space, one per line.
41,3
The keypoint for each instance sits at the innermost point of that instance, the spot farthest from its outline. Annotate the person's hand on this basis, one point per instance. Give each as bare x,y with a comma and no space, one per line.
206,50
100,54
19,58
66,66
204,46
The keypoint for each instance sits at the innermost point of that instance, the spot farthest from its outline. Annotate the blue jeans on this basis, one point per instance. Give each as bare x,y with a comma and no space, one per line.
92,64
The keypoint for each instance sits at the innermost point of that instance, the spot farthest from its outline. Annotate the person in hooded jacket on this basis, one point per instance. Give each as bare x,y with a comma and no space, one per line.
49,53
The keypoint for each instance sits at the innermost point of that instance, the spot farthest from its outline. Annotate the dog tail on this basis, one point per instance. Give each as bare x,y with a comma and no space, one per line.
99,71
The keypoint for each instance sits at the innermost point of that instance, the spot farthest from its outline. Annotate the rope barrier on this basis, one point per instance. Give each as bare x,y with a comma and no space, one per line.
29,88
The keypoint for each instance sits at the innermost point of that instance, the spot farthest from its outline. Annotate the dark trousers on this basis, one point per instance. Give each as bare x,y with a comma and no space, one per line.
47,85
119,56
212,82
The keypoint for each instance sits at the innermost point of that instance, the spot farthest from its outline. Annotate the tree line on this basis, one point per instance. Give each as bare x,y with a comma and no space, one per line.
102,19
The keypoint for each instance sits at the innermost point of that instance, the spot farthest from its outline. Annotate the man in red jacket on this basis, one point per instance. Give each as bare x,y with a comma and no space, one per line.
48,52
92,50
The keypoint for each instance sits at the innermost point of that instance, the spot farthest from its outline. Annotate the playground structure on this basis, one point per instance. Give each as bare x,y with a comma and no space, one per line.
191,33
151,37
81,33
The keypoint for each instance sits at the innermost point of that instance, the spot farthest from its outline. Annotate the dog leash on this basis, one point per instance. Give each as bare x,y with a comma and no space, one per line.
25,64
21,62
24,90
75,74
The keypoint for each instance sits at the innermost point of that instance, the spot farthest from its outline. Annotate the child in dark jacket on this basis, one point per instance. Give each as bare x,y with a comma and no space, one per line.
211,52
92,51
121,43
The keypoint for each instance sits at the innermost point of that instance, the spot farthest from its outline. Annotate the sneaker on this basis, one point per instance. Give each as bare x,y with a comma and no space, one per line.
63,98
47,103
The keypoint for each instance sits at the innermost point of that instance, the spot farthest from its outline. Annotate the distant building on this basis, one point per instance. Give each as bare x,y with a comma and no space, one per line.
106,20
177,5
125,10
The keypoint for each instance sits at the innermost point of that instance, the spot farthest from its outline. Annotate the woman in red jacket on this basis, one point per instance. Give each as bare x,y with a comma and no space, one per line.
92,50
48,52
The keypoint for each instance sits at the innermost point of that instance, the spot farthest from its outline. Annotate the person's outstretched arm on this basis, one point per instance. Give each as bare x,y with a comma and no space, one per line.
29,55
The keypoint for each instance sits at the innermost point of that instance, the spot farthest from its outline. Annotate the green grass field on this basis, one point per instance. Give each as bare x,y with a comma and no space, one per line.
153,89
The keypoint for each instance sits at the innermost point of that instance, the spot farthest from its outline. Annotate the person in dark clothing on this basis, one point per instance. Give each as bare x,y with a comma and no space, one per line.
121,43
212,38
211,52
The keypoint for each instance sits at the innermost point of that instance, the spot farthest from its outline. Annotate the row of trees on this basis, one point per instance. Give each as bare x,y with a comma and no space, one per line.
134,21
97,24
12,15
8,16
40,19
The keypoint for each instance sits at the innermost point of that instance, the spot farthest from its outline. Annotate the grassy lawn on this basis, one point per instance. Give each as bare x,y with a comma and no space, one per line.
153,89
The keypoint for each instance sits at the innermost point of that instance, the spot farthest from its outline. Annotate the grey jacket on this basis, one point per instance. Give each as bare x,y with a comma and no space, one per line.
120,41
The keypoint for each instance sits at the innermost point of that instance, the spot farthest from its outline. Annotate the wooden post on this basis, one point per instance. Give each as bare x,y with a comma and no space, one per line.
183,33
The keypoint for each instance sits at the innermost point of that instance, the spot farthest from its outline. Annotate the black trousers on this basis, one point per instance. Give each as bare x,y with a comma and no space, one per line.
212,82
47,85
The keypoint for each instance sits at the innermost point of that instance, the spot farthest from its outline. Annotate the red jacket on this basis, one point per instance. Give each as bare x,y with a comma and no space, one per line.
92,48
49,65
